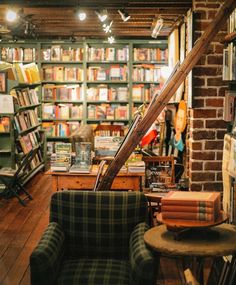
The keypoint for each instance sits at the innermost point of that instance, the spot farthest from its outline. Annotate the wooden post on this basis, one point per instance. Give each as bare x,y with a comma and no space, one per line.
155,109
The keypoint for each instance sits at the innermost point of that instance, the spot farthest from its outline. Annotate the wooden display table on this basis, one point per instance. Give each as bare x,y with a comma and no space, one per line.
208,242
84,181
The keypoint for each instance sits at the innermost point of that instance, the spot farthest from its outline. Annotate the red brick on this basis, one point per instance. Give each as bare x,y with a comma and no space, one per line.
219,176
213,165
203,176
203,91
200,15
198,81
201,26
202,61
215,59
219,48
214,145
197,124
219,154
198,103
215,124
196,187
200,155
195,145
215,102
196,165
216,81
206,71
211,14
220,134
213,186
221,91
204,113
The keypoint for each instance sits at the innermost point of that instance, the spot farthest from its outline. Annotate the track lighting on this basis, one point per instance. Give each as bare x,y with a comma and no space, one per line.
11,16
81,14
111,39
102,15
157,28
124,15
107,27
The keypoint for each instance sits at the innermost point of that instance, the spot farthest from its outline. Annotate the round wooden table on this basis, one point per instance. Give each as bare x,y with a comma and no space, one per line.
216,241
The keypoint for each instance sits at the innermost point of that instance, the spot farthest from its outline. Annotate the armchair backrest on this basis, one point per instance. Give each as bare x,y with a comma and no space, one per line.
98,223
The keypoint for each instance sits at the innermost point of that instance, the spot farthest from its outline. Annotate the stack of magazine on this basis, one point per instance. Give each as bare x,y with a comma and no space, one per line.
83,162
62,157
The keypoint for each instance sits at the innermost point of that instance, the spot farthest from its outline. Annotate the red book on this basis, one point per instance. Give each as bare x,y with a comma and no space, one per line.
189,216
188,209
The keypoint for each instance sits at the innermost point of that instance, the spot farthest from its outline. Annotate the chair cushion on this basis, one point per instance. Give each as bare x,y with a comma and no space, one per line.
94,272
98,224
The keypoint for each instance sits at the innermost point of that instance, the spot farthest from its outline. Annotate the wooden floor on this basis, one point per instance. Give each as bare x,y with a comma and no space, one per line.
21,228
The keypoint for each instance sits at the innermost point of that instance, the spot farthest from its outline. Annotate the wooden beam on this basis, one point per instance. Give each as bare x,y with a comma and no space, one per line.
155,109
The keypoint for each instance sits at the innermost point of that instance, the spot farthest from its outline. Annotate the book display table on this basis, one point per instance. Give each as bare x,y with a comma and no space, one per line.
196,245
85,181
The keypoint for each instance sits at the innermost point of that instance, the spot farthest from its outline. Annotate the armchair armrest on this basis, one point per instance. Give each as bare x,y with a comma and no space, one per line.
144,264
46,257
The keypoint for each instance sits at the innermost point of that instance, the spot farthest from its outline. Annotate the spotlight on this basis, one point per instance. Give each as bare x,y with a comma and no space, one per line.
158,26
124,15
102,15
81,15
107,27
111,39
11,16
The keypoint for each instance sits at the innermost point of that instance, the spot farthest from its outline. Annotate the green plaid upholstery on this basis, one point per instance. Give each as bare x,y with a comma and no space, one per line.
46,257
94,272
99,221
94,238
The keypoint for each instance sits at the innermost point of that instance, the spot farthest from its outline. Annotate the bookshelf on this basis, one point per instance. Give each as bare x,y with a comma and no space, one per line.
92,81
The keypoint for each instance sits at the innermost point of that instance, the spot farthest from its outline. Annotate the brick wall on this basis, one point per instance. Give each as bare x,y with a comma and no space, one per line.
207,128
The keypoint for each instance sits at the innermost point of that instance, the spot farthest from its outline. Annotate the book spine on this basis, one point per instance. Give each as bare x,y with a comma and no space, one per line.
189,209
189,216
188,203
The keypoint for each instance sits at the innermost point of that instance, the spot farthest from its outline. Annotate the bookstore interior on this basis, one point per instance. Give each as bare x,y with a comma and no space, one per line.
120,99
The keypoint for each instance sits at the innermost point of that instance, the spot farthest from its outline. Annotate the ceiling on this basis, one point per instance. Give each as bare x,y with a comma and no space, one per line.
57,19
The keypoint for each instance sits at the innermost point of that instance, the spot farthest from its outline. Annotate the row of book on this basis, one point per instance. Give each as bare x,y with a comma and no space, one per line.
5,124
59,53
108,112
62,92
104,93
146,72
26,73
150,54
60,129
108,54
62,73
14,54
26,96
144,93
62,111
229,62
25,120
194,206
113,73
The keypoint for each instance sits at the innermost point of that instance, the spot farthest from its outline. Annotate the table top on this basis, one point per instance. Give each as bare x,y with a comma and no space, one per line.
216,241
94,173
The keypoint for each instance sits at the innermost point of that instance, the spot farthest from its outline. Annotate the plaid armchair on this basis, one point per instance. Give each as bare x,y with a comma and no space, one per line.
95,238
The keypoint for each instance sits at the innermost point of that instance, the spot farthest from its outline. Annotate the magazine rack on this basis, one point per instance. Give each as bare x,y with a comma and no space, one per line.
13,179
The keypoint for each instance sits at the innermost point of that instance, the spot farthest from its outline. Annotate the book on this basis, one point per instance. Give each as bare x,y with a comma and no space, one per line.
188,209
106,145
83,162
195,216
63,157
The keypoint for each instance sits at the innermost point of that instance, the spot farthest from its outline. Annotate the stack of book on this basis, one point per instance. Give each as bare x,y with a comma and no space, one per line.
195,206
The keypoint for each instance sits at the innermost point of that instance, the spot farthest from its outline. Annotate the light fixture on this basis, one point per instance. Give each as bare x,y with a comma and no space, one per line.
11,15
107,27
111,39
124,15
81,14
102,15
157,28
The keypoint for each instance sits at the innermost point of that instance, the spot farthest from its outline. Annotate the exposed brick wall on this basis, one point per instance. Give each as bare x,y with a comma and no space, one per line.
207,128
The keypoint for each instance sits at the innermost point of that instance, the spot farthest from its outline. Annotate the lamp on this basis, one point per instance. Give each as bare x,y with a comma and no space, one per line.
102,15
157,28
11,15
124,15
81,14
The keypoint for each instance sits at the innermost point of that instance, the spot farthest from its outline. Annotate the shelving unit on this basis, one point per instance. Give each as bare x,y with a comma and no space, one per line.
91,81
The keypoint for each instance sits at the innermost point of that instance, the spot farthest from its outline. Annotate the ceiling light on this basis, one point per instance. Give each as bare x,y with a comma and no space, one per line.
107,27
157,28
11,16
81,15
102,15
124,15
111,39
